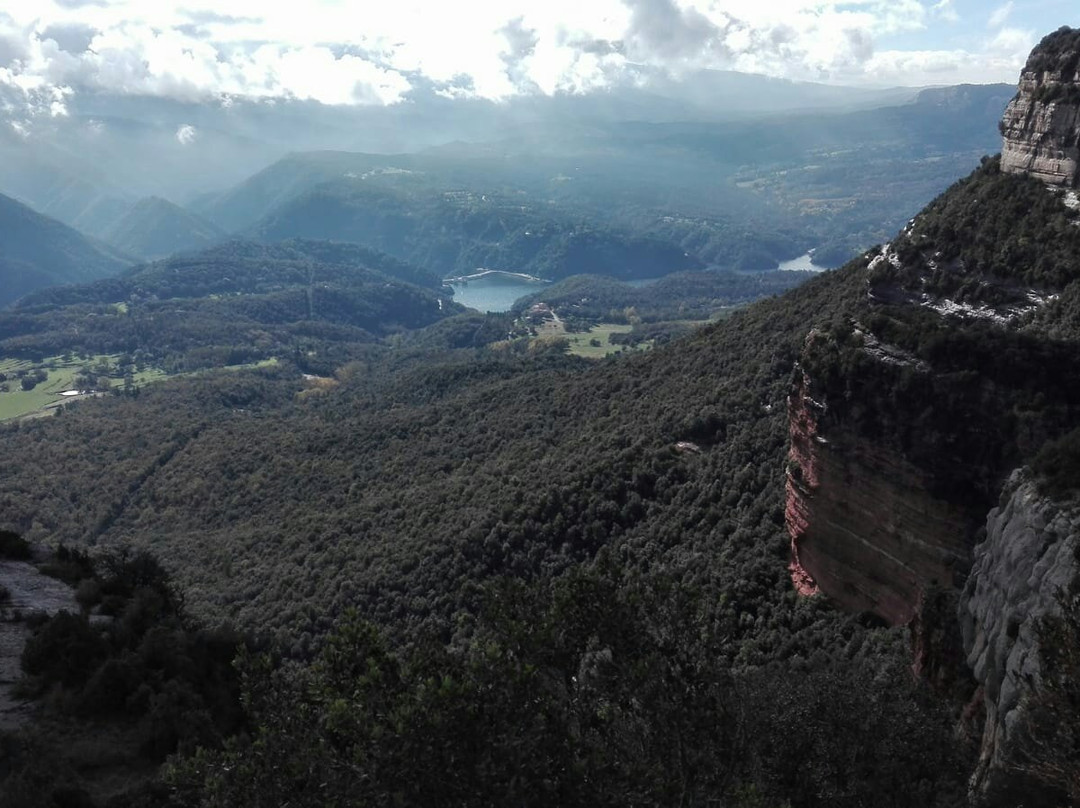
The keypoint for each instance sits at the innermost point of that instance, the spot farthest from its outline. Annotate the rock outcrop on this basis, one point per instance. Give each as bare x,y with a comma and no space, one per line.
1026,560
864,526
1041,125
906,419
28,592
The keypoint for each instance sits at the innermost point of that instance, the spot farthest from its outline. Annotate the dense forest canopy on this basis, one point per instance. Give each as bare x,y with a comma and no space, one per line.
505,521
241,302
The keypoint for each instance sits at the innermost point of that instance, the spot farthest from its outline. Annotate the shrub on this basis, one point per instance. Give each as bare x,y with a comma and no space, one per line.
1058,465
14,547
67,650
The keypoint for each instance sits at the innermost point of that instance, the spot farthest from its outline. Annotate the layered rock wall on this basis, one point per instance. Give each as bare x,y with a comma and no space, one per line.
864,526
1027,558
1041,126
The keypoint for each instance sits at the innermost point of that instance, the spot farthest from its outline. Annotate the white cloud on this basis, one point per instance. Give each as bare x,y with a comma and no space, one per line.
186,134
368,53
1000,15
945,11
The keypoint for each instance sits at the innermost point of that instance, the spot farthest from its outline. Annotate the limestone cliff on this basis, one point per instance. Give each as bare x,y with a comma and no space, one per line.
1041,125
1026,559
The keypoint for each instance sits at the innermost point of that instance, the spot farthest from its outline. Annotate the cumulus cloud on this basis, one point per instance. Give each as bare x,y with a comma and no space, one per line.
71,37
664,30
186,134
366,53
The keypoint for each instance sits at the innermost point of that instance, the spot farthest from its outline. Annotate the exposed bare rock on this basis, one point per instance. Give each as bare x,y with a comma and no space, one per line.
1028,556
30,591
864,527
1041,125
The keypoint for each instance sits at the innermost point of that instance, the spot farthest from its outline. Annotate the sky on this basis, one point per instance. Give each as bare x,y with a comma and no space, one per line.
379,52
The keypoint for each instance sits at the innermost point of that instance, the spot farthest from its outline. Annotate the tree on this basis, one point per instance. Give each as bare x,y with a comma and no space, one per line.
1048,746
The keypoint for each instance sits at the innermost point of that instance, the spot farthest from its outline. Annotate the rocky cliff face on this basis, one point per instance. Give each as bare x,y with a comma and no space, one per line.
1027,558
1041,126
864,526
905,419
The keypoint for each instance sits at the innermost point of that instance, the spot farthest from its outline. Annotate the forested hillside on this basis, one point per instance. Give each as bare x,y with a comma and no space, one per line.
479,465
454,233
37,251
739,195
240,302
680,296
504,542
639,504
156,228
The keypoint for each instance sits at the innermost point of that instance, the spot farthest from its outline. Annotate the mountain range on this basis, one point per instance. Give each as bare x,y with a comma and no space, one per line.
823,551
37,252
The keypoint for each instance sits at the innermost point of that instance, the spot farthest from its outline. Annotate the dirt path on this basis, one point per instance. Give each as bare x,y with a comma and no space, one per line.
30,591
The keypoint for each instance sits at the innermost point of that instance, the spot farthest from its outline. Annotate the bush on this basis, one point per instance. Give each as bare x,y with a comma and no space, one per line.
1058,465
67,650
14,547
69,565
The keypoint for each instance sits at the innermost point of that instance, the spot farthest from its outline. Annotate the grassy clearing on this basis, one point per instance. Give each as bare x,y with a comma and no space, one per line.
20,402
45,396
595,343
591,344
584,344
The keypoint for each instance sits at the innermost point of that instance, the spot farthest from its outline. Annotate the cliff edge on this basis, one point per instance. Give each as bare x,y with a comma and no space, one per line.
1022,567
913,417
1041,125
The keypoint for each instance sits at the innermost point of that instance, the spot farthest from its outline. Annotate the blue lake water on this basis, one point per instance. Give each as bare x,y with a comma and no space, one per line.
494,292
800,264
497,292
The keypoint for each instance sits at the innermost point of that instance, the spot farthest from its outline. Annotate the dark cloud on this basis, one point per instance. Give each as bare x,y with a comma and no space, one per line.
597,47
862,44
73,37
660,29
521,44
522,40
12,41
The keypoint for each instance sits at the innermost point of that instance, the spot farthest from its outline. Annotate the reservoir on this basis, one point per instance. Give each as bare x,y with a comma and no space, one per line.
493,291
800,264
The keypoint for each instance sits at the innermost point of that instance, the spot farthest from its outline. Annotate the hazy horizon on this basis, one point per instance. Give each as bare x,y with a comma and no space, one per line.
55,51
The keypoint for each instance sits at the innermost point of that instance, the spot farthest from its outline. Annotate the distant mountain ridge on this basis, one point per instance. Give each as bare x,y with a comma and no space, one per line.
156,228
36,252
742,194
